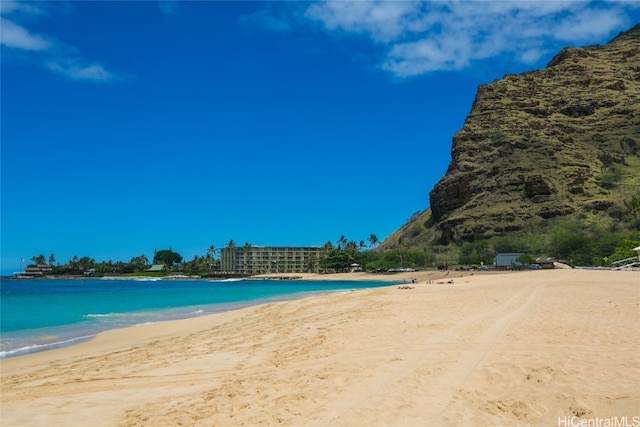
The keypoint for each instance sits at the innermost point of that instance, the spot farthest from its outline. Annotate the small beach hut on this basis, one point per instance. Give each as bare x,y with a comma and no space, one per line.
546,263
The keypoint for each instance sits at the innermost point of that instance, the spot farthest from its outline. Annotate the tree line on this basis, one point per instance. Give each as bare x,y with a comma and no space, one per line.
203,265
569,242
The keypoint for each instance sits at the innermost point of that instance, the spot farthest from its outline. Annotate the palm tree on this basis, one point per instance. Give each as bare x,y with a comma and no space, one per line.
373,240
341,242
52,259
105,267
212,251
140,262
38,260
211,257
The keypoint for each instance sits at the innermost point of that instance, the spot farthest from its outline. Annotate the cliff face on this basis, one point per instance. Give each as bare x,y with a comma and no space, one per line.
538,145
559,142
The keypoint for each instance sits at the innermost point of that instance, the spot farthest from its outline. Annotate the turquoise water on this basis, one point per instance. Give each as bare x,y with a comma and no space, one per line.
37,315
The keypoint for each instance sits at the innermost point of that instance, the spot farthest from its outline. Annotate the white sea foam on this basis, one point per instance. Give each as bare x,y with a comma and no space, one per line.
42,347
118,318
111,315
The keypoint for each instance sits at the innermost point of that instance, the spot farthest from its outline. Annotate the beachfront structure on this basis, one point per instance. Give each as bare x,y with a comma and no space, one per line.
632,263
37,270
508,259
33,271
250,259
546,263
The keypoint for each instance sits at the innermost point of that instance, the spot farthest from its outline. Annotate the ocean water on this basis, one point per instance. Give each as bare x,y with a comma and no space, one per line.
38,315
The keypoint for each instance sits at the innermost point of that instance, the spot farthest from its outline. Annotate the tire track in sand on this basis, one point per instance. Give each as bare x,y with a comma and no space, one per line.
436,371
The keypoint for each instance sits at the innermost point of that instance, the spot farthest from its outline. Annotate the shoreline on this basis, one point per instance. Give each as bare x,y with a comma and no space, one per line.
406,280
358,276
74,339
516,348
24,343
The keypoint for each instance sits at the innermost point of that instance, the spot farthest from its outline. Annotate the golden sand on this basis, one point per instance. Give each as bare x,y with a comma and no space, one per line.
551,348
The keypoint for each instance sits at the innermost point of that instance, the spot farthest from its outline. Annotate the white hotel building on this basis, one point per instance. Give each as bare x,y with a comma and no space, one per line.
250,260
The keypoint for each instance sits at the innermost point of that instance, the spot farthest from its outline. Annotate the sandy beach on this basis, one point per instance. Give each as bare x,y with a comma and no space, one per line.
547,348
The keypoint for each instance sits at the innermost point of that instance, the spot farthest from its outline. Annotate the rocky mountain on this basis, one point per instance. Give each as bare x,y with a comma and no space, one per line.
559,143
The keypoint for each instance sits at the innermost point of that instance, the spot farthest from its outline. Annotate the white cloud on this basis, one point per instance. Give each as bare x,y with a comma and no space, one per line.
76,70
381,20
590,24
54,55
14,36
422,37
9,6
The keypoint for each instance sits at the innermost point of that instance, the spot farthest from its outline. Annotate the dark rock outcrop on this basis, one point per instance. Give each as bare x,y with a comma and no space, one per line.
536,186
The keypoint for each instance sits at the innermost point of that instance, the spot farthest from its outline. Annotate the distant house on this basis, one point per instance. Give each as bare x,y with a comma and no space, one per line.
156,268
37,270
546,263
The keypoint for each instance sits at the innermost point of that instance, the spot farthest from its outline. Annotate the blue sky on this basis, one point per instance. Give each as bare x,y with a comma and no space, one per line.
129,126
